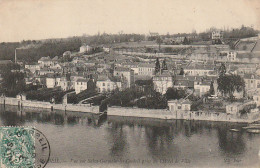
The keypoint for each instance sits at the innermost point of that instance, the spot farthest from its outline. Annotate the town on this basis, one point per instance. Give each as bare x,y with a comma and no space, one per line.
216,72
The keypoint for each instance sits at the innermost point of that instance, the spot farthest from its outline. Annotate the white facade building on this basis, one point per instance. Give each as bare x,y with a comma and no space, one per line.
162,82
81,84
108,84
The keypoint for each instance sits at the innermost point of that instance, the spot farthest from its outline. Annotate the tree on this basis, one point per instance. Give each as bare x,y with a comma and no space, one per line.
13,81
159,42
186,41
211,90
228,84
173,93
164,65
157,66
182,71
222,69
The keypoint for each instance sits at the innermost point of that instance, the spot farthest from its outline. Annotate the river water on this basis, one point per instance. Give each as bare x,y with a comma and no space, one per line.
84,140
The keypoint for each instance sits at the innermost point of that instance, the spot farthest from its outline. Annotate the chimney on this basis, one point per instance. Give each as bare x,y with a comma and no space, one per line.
15,56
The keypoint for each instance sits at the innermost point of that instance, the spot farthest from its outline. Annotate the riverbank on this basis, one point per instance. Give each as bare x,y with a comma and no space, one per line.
184,115
47,105
132,112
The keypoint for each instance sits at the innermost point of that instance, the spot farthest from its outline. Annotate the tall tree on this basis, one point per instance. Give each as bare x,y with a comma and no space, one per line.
228,84
173,93
159,42
222,69
186,41
182,71
211,90
157,66
164,65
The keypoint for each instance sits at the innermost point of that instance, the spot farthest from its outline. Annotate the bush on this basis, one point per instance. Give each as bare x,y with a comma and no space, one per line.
76,98
46,95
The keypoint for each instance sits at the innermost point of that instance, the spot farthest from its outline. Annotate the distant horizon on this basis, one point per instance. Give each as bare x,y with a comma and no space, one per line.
50,19
146,34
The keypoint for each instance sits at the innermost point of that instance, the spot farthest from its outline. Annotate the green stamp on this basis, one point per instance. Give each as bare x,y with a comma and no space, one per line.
17,147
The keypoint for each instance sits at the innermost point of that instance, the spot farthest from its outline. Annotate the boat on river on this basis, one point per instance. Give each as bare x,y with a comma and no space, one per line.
234,130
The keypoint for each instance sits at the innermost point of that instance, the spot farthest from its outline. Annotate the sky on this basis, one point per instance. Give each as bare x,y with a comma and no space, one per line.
42,19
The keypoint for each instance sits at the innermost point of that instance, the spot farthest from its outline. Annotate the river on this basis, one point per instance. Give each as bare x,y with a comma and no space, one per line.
84,140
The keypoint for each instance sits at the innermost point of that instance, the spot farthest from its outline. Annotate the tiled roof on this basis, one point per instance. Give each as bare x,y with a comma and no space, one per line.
56,58
251,76
200,66
184,83
4,62
164,74
82,80
122,69
45,59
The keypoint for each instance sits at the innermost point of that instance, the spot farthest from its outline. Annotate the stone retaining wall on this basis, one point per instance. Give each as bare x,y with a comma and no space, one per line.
187,115
47,105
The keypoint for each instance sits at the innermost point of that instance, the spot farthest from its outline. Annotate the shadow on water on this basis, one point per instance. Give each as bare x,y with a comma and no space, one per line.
160,135
161,138
10,115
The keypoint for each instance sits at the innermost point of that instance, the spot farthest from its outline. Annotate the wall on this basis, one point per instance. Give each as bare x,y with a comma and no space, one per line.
188,115
47,105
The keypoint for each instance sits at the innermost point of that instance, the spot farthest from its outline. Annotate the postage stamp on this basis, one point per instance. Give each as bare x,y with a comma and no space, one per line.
23,147
17,146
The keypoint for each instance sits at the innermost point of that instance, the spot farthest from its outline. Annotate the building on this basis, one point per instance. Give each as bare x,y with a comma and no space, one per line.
52,81
107,84
215,35
5,62
106,49
201,87
251,81
127,76
232,56
234,108
179,105
81,84
163,81
45,62
67,54
85,49
199,70
65,83
146,69
32,67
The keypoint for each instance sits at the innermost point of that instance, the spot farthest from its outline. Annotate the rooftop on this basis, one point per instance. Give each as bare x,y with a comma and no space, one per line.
45,59
122,69
82,80
5,62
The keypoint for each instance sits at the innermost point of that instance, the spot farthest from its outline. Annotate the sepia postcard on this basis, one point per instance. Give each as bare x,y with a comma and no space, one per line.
129,83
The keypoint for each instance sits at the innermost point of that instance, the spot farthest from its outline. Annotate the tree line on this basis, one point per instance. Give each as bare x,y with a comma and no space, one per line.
32,51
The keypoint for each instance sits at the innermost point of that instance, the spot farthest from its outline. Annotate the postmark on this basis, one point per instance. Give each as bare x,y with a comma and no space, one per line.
23,147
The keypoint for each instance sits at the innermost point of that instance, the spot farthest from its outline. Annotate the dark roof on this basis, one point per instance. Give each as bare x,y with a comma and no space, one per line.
5,62
45,59
122,69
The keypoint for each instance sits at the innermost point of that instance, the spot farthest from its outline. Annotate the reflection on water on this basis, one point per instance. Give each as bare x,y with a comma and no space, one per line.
86,136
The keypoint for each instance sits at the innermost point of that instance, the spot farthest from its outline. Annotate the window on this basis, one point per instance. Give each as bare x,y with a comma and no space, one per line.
179,107
104,84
